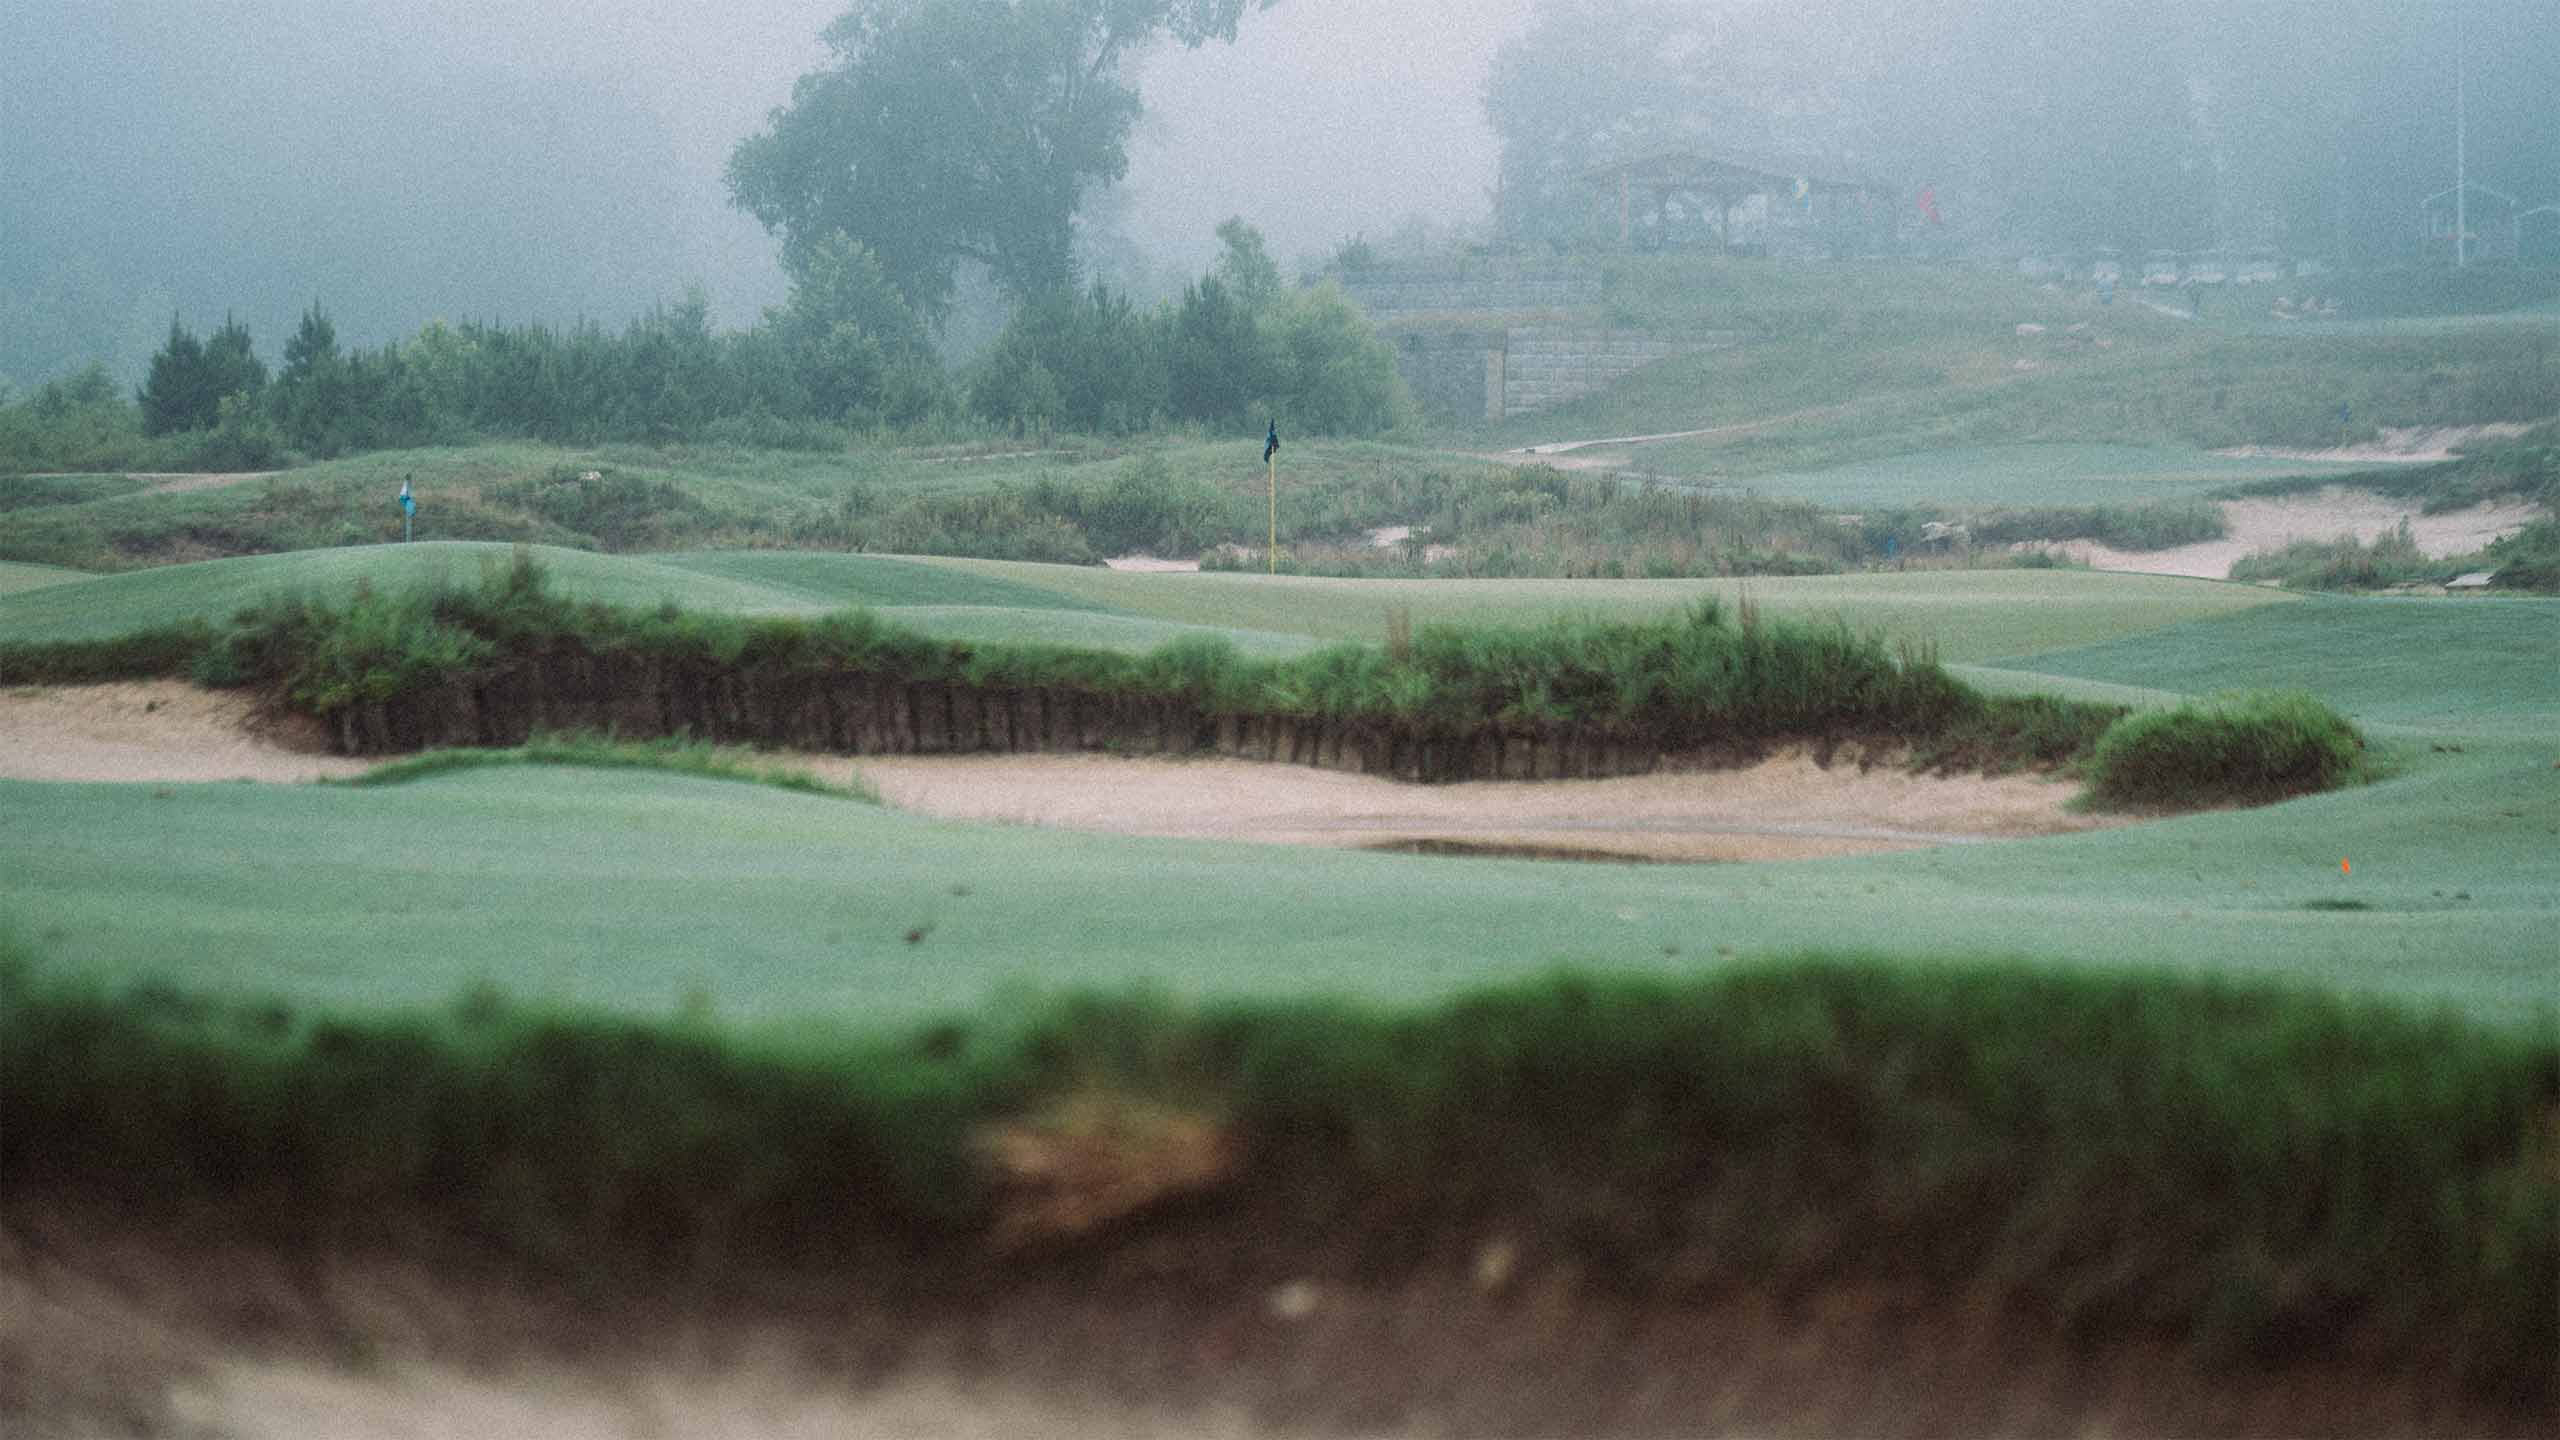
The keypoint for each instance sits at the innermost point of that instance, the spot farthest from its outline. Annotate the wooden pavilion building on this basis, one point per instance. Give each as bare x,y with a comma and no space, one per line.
1692,197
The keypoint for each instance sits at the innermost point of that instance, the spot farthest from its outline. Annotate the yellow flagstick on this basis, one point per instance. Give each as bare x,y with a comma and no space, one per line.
1271,463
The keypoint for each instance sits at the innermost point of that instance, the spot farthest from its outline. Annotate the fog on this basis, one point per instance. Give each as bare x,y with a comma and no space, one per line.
562,159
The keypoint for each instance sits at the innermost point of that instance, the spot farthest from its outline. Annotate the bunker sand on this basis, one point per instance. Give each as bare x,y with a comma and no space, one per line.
1786,807
157,730
2271,524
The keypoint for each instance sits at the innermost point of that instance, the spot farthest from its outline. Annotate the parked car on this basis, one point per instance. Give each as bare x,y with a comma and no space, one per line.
2160,270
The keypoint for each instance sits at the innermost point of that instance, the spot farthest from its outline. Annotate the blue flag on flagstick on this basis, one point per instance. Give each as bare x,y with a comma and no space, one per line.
1271,442
407,505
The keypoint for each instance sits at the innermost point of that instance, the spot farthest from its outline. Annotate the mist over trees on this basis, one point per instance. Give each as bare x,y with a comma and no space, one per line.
159,158
948,131
2136,124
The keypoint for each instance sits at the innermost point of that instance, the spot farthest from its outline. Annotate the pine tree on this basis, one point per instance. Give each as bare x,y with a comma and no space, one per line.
177,395
232,366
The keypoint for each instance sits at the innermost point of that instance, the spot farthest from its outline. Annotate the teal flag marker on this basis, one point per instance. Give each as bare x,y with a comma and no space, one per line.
408,510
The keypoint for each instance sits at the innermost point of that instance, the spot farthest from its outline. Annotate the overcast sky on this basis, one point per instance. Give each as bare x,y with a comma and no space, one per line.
403,160
1325,117
552,160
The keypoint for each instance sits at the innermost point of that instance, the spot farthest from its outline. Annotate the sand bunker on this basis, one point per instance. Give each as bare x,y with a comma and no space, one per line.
2409,445
2271,524
156,730
1785,808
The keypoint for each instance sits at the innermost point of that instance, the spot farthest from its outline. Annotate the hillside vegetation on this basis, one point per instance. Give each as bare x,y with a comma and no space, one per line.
1904,391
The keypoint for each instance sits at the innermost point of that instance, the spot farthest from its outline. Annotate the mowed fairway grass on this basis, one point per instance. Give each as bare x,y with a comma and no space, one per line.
1968,615
2024,476
637,890
15,577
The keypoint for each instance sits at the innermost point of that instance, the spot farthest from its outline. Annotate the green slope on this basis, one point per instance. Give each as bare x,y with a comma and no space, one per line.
2488,666
16,577
2033,475
1969,615
633,889
835,580
1082,629
213,589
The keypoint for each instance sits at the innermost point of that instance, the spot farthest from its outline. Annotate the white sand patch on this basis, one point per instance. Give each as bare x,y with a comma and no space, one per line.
157,730
2409,445
1151,564
1787,807
2273,523
289,1399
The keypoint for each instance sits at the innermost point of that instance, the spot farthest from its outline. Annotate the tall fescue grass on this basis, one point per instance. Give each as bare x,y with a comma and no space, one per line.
2159,525
2244,746
2256,1174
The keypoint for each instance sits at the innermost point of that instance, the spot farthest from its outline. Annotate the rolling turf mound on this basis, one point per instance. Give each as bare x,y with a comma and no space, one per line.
2484,666
2455,866
1967,615
2018,476
42,604
1970,615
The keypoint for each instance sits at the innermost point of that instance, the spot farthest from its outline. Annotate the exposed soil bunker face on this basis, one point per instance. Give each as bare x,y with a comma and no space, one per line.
1787,807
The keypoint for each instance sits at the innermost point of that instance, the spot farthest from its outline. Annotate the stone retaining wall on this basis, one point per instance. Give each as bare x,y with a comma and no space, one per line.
1521,370
1411,292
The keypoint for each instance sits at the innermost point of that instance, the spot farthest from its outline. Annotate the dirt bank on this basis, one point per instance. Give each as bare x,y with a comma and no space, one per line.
1787,807
2273,523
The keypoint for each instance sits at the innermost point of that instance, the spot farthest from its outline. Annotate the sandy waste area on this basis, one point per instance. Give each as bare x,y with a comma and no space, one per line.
1787,807
2272,524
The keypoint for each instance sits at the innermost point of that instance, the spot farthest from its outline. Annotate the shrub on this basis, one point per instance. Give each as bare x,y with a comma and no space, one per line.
2243,746
1147,507
2343,563
2529,559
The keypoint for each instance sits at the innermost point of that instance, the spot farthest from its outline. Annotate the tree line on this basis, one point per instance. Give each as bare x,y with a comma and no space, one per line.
846,353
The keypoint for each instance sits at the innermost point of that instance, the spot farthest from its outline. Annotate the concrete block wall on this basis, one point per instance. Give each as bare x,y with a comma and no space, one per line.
1490,374
1446,370
1414,292
1545,366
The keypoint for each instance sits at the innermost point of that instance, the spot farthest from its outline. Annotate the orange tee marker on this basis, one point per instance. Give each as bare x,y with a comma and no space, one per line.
2345,869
